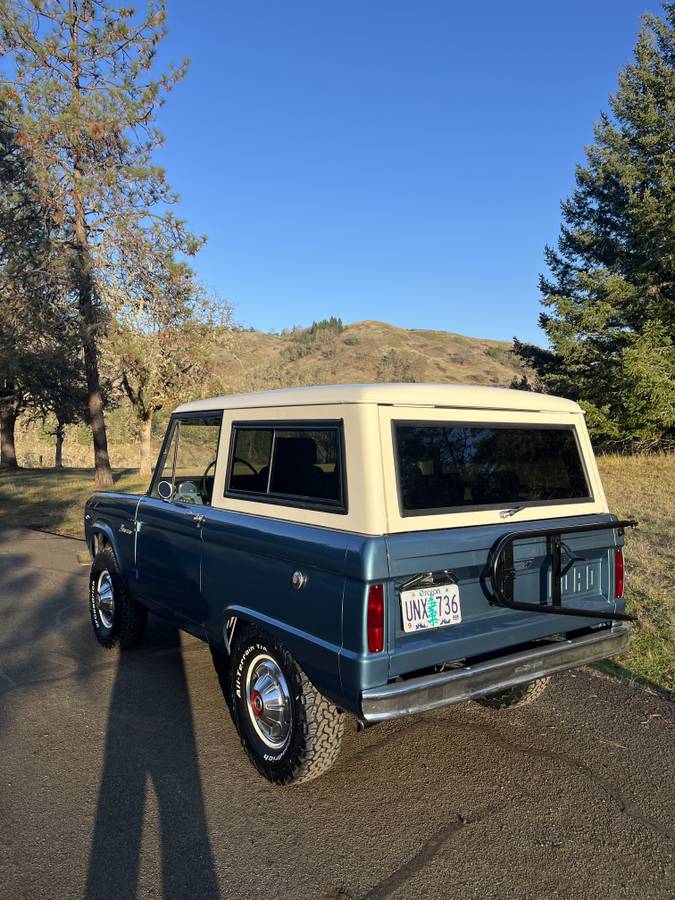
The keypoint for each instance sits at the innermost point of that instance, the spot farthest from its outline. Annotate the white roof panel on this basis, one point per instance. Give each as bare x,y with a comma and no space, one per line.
457,396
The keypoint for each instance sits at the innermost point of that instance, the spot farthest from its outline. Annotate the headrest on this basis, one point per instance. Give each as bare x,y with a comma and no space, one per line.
299,451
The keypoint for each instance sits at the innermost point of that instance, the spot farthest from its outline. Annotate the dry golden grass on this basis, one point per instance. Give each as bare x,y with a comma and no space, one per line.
637,486
643,487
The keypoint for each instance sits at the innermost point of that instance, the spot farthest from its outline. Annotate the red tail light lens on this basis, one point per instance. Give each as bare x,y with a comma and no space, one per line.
618,573
376,618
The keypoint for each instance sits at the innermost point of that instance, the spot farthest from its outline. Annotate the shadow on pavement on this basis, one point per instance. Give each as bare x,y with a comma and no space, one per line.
150,745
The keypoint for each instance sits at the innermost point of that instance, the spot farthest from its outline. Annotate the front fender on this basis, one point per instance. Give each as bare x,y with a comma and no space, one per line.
105,529
102,528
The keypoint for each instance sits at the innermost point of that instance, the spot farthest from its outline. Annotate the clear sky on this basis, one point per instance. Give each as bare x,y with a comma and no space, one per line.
385,159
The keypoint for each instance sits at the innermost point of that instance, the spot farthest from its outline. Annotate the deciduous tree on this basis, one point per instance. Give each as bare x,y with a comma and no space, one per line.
162,333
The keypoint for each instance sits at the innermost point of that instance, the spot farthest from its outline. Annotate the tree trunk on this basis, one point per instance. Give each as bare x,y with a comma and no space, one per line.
84,276
7,446
59,434
146,436
88,330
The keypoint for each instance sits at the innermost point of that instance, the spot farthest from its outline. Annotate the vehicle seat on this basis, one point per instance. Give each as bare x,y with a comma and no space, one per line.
294,469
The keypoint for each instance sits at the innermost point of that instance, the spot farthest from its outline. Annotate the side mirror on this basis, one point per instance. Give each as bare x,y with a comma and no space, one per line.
165,490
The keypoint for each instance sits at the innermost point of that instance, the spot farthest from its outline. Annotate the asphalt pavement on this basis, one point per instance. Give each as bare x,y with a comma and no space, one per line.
122,776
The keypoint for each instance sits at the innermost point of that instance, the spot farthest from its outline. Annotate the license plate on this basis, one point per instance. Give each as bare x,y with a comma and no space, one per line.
431,607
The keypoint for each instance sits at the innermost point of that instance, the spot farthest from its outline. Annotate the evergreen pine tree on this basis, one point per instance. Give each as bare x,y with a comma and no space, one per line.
610,296
84,101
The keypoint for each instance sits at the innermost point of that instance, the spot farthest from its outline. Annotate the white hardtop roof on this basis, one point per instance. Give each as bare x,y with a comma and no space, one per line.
453,396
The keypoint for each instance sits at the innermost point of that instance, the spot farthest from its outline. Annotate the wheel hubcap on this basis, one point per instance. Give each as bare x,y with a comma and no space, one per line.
268,701
105,599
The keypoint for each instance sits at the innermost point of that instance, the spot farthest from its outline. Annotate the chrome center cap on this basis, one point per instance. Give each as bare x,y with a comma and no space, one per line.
104,599
268,702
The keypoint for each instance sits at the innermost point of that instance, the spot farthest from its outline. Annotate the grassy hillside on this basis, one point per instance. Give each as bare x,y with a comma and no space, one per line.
639,486
325,353
364,352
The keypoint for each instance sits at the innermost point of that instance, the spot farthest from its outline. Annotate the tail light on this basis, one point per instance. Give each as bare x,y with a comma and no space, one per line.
618,573
375,625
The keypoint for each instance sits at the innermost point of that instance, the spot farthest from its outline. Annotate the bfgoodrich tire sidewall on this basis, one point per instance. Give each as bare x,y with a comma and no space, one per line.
103,632
280,765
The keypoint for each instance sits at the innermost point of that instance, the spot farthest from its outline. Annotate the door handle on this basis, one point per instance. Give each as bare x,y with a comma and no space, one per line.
198,519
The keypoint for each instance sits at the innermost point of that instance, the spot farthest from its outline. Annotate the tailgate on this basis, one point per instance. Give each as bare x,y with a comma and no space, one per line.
463,555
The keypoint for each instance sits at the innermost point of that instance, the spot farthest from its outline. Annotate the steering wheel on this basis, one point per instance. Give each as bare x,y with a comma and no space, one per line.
238,459
204,492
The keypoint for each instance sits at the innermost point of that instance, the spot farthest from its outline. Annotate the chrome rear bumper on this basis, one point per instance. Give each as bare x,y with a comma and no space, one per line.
417,695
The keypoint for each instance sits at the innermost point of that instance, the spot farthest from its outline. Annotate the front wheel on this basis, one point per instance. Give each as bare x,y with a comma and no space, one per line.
117,619
290,731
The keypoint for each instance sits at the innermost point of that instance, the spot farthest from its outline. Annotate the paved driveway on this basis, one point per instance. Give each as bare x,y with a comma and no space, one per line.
122,776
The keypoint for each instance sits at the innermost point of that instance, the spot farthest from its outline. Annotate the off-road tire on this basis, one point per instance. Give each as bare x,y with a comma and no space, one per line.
519,695
129,618
316,726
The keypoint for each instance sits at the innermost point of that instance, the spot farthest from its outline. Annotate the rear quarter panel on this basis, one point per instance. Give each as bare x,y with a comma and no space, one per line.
248,564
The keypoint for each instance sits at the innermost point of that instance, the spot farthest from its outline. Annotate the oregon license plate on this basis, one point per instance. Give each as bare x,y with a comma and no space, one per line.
430,607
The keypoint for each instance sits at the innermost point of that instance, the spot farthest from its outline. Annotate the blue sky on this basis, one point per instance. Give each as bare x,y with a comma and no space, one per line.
385,159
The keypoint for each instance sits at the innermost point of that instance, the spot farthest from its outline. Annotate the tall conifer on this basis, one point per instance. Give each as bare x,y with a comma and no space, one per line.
84,100
609,300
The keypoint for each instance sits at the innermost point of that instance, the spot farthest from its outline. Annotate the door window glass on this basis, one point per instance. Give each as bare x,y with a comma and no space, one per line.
188,464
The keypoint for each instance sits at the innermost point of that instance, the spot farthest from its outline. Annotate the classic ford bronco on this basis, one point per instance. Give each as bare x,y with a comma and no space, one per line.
378,550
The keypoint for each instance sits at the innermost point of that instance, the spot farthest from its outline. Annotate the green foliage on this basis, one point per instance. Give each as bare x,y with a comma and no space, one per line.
499,354
308,340
81,92
40,365
610,296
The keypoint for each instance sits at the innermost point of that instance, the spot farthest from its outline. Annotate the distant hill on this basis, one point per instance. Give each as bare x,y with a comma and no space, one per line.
327,352
331,353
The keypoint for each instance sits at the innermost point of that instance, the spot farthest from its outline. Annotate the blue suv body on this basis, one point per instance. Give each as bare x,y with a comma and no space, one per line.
378,550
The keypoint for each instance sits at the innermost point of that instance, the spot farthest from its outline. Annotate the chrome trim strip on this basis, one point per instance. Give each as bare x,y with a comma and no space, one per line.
417,695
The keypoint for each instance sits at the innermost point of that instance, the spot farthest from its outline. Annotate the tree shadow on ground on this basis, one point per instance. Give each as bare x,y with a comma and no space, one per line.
150,744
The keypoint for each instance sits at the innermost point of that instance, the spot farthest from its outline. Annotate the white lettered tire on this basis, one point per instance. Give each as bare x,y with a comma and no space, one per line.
290,731
117,619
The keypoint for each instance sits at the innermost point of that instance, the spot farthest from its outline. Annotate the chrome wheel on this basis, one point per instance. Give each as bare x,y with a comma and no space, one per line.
105,599
268,701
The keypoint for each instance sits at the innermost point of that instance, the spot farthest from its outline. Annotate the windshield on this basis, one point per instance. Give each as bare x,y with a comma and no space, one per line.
444,466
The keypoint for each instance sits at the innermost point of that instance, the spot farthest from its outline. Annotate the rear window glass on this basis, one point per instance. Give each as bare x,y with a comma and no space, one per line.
281,463
444,466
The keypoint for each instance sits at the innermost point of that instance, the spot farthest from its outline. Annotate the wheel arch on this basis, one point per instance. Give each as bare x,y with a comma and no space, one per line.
317,658
102,535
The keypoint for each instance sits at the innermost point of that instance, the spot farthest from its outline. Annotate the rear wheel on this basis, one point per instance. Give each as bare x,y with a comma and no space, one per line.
290,731
117,619
519,695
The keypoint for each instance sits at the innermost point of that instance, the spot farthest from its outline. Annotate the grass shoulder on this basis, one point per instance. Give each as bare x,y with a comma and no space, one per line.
53,499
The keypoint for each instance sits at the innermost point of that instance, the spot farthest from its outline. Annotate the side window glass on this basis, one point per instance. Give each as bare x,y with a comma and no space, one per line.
305,464
302,464
190,461
251,461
